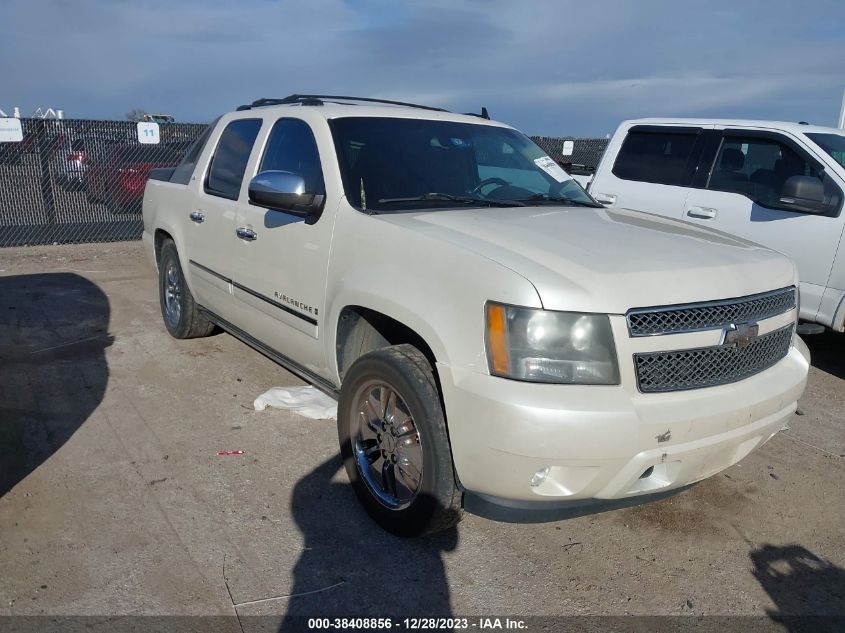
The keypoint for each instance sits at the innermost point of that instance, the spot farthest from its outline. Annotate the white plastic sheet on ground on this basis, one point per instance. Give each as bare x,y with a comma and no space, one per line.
307,401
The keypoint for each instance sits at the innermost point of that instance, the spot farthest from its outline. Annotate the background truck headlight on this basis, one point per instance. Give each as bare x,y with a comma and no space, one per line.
554,347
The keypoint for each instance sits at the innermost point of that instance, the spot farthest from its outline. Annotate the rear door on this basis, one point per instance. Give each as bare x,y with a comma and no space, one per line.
740,194
211,222
652,167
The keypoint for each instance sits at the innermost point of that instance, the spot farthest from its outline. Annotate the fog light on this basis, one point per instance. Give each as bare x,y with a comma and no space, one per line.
539,477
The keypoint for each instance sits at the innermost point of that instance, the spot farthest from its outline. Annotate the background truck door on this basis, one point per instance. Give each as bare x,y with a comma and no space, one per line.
741,196
650,169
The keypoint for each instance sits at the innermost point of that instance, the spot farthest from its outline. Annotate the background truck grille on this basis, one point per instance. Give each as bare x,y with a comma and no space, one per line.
709,315
710,366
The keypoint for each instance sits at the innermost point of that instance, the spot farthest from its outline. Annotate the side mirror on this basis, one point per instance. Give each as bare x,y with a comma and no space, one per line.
804,193
284,191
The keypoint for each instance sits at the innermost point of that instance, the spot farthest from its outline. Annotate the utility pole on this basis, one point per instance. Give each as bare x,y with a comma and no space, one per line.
842,113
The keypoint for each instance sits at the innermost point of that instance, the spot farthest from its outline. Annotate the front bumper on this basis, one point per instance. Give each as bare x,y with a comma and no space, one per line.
607,443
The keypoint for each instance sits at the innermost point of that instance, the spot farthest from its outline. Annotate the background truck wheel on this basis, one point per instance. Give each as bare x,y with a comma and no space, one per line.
394,445
178,308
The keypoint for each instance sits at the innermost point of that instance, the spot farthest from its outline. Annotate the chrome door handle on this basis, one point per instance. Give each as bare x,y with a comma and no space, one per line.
246,234
701,212
197,216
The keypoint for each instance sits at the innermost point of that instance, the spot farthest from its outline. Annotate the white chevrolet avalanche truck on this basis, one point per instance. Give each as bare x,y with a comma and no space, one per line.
778,184
497,340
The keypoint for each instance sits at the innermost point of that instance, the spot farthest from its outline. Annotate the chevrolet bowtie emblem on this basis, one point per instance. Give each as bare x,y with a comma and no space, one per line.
741,335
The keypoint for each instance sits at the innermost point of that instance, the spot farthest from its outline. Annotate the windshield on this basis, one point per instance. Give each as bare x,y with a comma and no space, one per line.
392,164
833,144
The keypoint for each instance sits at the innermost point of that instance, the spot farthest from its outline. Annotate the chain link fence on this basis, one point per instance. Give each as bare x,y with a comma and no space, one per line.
582,157
72,181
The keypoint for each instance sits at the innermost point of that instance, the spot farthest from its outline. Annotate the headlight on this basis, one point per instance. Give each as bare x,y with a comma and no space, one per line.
544,346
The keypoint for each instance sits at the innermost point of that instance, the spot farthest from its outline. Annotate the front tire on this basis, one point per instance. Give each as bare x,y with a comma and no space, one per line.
394,443
181,316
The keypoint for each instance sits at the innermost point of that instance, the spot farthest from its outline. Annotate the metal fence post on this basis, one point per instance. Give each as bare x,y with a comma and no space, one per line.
47,196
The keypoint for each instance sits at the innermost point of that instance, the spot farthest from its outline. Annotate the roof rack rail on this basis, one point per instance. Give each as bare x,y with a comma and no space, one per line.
318,100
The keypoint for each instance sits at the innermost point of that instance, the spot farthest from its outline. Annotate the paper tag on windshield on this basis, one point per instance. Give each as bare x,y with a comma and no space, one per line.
549,166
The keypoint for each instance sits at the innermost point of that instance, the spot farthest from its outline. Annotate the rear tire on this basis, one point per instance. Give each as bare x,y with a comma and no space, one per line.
390,420
181,316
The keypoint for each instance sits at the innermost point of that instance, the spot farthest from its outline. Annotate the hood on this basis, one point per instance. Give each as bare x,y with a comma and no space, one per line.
607,260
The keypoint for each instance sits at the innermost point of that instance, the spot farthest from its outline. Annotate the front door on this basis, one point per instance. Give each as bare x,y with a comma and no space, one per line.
280,280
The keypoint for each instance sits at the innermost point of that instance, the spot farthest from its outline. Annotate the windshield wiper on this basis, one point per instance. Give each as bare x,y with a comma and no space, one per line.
544,197
434,195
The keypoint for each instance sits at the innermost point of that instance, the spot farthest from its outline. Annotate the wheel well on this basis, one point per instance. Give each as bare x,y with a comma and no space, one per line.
160,237
361,330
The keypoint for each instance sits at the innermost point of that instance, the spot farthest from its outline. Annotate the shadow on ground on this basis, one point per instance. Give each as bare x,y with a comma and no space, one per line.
53,371
828,352
809,592
351,567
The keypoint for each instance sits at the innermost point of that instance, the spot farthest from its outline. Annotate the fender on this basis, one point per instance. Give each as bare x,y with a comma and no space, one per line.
387,307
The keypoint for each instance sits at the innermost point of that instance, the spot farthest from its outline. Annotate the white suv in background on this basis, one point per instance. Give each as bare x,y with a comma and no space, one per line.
498,340
777,184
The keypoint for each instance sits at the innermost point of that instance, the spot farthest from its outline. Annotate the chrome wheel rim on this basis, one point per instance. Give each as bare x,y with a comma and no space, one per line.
386,445
172,294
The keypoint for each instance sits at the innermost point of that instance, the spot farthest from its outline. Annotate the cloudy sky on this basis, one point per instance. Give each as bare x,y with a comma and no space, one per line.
550,67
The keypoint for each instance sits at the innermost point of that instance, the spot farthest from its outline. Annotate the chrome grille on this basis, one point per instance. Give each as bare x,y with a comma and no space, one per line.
710,366
710,315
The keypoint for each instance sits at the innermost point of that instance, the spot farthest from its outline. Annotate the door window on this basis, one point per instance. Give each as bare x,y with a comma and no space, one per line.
758,168
656,156
291,147
230,158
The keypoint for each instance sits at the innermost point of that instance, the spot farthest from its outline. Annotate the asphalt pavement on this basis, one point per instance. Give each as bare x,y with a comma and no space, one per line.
115,500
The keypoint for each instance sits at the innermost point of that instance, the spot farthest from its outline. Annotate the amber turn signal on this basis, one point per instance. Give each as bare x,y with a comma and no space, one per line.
497,339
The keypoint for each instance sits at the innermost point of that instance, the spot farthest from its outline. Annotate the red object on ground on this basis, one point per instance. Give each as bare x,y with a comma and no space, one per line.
230,452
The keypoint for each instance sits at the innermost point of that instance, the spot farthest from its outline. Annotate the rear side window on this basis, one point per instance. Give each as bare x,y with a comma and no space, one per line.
185,169
656,156
291,147
230,158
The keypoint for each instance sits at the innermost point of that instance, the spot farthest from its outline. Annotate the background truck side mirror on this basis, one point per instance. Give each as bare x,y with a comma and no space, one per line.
804,193
284,191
